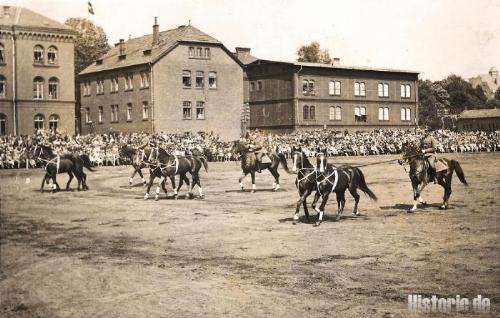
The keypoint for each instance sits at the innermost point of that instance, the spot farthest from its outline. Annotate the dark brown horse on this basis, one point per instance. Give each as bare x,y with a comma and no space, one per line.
139,159
250,165
420,174
67,163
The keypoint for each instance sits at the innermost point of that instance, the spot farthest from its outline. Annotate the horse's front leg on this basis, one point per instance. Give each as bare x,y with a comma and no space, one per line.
243,175
142,176
417,188
321,212
176,191
149,185
69,181
55,185
315,201
131,180
160,184
254,187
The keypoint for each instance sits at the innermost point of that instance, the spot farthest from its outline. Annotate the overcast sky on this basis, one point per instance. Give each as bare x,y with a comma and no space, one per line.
434,37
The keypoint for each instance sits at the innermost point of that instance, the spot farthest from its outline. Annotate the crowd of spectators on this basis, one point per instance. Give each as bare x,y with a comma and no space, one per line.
103,149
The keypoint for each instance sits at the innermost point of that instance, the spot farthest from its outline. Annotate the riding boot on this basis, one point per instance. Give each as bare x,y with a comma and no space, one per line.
259,169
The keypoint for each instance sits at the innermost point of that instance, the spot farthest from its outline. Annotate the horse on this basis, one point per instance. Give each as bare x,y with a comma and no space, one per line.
250,165
420,174
66,163
325,181
139,159
168,166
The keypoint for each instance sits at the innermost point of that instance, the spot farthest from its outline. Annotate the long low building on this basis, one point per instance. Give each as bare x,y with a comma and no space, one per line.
479,119
288,96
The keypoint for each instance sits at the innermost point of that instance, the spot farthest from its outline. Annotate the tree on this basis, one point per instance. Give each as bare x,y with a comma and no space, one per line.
312,53
91,43
432,97
462,94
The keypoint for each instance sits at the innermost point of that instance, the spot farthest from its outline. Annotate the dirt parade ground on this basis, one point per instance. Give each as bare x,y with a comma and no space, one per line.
107,252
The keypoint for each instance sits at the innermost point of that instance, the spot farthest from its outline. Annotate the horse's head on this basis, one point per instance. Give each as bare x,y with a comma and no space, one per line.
409,151
321,162
237,147
164,156
126,151
300,161
43,152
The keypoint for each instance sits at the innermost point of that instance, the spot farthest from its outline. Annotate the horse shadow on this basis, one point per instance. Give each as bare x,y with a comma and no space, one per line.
257,190
406,207
137,185
326,218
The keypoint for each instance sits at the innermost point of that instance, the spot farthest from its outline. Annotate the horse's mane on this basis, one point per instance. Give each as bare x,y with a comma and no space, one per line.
163,155
128,151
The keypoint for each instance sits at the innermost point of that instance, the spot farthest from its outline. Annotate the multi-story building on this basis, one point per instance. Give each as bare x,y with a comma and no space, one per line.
287,96
36,73
179,80
490,82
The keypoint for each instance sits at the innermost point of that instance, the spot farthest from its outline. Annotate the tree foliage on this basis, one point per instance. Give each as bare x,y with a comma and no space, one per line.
463,95
432,97
314,54
90,43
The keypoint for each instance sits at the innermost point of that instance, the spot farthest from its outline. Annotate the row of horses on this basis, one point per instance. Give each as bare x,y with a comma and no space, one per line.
321,179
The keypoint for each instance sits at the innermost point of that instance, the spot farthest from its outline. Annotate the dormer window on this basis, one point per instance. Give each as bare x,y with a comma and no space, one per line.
98,62
146,52
122,57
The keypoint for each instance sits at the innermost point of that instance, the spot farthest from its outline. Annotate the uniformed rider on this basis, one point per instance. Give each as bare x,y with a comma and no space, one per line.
429,145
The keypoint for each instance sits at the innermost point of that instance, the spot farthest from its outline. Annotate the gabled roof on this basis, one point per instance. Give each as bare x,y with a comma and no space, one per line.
480,113
22,17
134,48
340,67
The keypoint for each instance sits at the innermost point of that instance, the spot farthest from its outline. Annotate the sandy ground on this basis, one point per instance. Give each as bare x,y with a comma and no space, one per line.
108,253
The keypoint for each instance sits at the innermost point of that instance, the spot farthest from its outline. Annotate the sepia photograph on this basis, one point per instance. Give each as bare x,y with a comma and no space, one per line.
230,158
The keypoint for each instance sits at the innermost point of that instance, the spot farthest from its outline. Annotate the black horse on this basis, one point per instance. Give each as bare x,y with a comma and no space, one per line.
325,181
420,174
168,166
139,159
250,165
67,163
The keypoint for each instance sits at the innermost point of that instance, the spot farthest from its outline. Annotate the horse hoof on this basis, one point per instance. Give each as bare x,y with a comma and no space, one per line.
157,198
410,211
318,223
146,196
242,189
443,207
202,196
253,191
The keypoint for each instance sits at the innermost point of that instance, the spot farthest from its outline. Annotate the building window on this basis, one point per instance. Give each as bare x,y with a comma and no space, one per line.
259,85
383,90
53,122
252,86
305,112
86,88
335,113
334,88
38,54
405,91
308,87
144,79
305,86
191,51
52,55
383,113
186,110
113,84
128,82
199,52
212,80
2,53
186,79
99,86
100,116
53,88
312,112
359,89
200,110
38,88
115,115
39,121
87,115
3,124
145,110
360,114
129,112
200,79
207,53
3,88
405,114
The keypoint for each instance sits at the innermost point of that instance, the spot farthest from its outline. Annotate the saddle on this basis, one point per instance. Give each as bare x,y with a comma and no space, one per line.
262,156
441,165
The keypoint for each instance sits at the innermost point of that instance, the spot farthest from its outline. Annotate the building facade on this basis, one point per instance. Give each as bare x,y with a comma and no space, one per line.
36,73
489,82
175,81
479,119
287,96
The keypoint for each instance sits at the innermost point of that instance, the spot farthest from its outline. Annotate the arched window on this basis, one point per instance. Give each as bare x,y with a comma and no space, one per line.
212,80
3,124
52,55
338,113
53,122
53,88
3,88
332,113
306,112
129,112
2,53
186,78
191,51
38,88
39,121
38,54
312,112
207,52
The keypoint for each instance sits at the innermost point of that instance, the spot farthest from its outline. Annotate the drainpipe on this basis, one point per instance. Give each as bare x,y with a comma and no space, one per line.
296,97
14,81
151,85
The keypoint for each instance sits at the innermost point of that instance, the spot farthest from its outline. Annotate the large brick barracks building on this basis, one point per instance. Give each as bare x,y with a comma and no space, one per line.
287,96
36,73
174,81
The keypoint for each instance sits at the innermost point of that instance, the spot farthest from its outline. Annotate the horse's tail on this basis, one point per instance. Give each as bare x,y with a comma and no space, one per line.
363,186
458,169
204,162
282,160
86,162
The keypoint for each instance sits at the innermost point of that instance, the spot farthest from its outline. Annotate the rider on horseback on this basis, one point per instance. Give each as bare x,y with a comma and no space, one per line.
429,145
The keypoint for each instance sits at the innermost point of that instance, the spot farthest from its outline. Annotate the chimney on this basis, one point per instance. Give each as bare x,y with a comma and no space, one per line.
156,32
122,47
336,61
242,51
